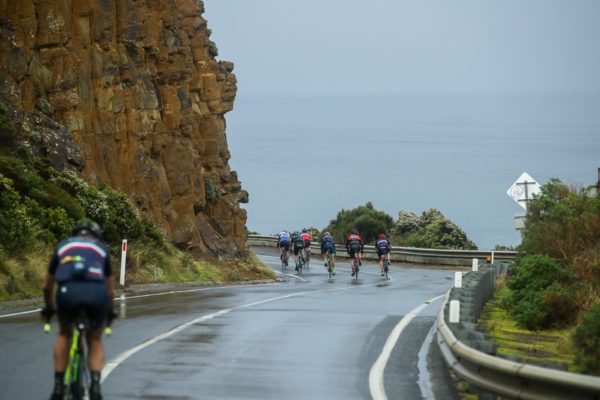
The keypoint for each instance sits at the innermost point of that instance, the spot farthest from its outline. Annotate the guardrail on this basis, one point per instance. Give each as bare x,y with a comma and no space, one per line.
473,358
409,254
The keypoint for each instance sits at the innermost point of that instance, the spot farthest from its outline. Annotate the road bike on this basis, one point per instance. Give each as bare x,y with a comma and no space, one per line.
285,257
329,263
356,265
77,375
386,263
300,262
306,257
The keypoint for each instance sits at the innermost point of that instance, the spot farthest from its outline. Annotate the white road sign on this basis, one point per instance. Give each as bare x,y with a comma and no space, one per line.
523,189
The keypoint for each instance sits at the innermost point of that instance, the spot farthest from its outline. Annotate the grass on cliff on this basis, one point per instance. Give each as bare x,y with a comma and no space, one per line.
38,207
534,347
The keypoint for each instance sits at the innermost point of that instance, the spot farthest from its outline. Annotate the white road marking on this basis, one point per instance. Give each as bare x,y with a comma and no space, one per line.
115,362
121,298
424,381
290,275
376,386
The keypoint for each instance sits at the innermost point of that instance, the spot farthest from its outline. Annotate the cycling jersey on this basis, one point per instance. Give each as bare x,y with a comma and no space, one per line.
306,237
354,243
327,244
80,259
383,246
284,237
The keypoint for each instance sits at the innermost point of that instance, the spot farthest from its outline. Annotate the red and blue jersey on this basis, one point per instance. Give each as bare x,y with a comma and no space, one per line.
80,259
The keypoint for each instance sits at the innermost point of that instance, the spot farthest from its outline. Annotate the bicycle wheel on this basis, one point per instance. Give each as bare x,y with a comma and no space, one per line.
300,263
329,269
386,267
283,260
356,267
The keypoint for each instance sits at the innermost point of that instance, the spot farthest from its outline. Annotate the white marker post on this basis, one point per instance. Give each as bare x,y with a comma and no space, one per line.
123,257
493,256
458,279
454,316
475,265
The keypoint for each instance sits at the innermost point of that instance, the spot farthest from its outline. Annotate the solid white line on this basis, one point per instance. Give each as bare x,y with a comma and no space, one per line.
20,313
121,298
115,362
290,275
376,386
423,381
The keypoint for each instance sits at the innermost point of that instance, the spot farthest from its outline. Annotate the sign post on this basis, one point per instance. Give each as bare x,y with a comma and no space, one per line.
123,257
522,191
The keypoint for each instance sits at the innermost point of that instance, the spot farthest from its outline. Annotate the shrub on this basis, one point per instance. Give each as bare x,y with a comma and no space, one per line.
366,219
211,192
430,230
586,340
540,297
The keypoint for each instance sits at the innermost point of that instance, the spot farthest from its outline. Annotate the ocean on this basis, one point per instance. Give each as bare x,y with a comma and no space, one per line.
303,159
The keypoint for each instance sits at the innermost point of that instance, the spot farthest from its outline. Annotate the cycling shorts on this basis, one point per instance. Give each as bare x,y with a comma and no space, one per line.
297,250
330,249
284,245
353,252
90,297
381,252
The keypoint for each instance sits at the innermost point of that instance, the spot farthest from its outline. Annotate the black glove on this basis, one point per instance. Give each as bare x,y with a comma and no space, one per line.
47,312
110,316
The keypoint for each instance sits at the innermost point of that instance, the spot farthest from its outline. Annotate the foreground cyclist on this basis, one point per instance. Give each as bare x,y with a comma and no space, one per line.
81,268
328,246
383,248
354,247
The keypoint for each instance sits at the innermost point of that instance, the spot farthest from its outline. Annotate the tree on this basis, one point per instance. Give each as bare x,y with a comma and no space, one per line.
366,219
431,230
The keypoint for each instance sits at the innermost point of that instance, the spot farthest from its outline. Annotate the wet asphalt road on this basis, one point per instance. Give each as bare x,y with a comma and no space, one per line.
303,338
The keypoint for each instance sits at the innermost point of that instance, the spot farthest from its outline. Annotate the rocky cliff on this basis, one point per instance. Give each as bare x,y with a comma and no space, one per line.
138,100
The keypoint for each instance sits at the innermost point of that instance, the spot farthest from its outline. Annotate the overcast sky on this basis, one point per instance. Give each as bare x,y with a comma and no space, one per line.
409,47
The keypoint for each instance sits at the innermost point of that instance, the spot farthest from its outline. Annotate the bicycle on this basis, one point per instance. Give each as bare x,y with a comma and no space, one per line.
77,375
285,257
306,257
329,264
356,265
300,262
386,263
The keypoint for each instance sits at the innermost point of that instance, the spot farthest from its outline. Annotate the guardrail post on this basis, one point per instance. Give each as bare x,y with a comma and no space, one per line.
454,314
458,279
475,265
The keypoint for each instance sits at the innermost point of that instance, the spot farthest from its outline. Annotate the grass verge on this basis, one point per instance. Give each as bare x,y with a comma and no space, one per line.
533,347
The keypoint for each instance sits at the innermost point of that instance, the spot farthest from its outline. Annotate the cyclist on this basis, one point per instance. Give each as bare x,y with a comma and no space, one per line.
306,237
354,247
283,243
328,246
383,248
81,268
298,243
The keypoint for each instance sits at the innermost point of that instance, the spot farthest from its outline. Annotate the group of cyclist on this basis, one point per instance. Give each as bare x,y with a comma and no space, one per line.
300,242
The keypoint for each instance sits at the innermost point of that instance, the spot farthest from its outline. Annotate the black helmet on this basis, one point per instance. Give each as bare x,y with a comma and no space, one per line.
355,231
304,230
87,228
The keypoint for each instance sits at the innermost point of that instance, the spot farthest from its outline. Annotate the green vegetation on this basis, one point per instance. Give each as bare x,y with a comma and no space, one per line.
550,346
366,219
38,207
430,230
556,281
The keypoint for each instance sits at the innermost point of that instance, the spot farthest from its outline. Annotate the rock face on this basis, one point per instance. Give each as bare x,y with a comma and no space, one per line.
136,85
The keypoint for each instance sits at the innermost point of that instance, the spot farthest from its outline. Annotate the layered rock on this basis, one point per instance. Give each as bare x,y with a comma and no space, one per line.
137,86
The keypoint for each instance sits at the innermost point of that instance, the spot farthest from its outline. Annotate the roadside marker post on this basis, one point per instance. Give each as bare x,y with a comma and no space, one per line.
475,265
454,315
458,279
123,257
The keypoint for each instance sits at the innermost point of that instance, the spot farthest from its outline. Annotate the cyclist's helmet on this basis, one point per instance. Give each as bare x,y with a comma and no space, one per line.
304,230
327,234
87,228
381,236
355,231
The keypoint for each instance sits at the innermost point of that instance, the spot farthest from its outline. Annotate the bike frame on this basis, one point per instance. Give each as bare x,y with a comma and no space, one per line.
77,375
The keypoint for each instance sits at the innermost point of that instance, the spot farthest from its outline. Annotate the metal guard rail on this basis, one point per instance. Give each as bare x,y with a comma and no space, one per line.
509,378
410,254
